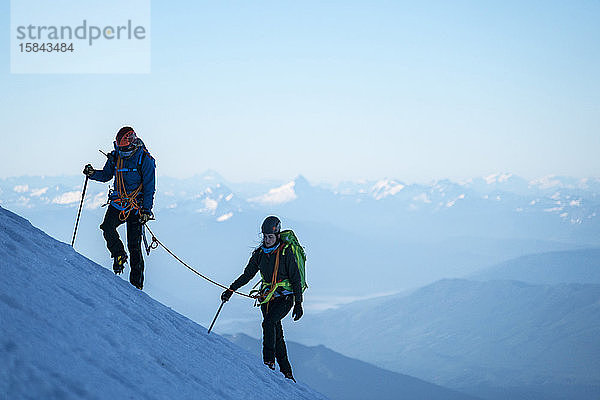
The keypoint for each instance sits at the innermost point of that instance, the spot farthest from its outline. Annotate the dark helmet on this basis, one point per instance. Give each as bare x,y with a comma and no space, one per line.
126,141
271,224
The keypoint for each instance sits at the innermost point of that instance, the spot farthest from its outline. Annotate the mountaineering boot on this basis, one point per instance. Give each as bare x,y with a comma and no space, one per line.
289,376
270,364
119,263
137,285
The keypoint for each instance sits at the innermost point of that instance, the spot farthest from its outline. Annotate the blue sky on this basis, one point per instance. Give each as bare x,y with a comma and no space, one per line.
332,90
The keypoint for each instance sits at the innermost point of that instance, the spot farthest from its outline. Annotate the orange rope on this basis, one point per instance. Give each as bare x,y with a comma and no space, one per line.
274,279
126,200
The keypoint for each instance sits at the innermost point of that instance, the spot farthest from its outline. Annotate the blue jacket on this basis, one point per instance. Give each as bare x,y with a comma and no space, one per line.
132,178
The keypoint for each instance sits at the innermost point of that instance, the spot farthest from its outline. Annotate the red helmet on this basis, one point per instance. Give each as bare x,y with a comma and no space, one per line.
125,137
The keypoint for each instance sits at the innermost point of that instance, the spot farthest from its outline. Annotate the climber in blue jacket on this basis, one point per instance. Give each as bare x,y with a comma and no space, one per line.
130,200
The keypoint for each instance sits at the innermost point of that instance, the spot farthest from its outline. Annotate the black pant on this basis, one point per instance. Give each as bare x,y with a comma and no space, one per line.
273,342
134,242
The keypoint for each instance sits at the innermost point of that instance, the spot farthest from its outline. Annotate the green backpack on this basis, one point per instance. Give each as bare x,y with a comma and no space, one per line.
265,293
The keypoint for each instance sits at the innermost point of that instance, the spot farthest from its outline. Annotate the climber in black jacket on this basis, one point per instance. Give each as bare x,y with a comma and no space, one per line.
267,258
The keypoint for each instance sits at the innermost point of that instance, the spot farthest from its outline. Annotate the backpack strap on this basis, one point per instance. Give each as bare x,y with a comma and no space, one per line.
138,166
139,163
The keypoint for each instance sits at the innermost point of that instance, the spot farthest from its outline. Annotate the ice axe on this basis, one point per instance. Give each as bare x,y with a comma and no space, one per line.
79,212
215,319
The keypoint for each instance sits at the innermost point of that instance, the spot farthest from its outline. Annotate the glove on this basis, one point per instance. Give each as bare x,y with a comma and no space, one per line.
226,295
146,216
297,313
88,170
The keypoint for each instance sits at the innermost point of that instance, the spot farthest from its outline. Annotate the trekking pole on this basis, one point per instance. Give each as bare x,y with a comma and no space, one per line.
79,212
213,322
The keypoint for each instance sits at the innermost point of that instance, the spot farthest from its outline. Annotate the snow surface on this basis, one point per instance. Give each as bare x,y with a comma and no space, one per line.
71,329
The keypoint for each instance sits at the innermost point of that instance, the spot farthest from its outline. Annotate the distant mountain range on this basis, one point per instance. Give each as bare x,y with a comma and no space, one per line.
410,234
483,338
563,208
575,266
342,378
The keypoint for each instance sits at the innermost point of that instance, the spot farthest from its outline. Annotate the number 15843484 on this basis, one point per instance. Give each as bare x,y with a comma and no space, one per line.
46,47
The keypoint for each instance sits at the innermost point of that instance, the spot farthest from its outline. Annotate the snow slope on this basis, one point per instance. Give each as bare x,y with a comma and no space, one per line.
70,329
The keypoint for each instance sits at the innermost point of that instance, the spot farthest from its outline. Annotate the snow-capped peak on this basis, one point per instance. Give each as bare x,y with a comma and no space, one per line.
385,188
279,195
497,178
546,182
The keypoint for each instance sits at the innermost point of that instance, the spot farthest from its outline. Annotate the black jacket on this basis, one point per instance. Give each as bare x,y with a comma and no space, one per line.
288,269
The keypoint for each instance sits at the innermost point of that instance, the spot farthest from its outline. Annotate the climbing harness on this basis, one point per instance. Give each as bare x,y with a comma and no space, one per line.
267,291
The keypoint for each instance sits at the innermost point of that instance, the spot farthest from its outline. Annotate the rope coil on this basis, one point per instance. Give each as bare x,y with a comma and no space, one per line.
155,243
126,200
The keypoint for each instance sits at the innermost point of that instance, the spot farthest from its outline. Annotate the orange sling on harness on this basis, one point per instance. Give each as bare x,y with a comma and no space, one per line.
274,286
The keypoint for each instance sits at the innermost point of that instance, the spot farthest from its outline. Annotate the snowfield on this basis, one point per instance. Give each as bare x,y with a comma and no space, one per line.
71,329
